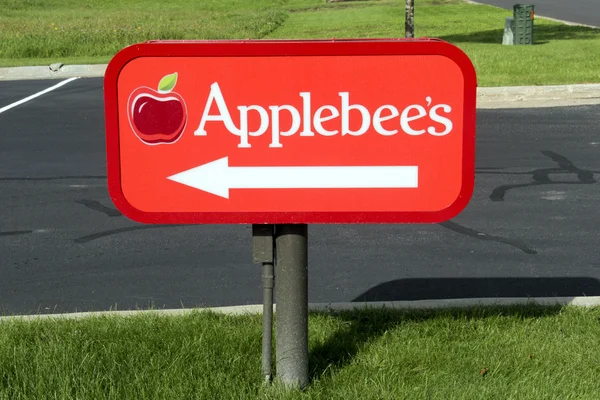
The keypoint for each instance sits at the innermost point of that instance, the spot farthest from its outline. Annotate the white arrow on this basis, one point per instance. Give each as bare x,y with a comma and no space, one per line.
217,177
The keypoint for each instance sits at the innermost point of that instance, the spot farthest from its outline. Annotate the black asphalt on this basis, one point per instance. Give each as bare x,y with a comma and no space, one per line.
531,228
579,11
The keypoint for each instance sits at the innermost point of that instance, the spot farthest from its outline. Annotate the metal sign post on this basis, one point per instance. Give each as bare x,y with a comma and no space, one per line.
291,249
287,245
409,26
263,251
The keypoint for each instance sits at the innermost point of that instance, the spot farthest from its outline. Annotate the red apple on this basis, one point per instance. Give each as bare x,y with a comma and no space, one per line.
157,116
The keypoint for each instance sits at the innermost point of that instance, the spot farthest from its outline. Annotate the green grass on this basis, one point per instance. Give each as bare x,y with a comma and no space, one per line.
563,54
38,32
525,353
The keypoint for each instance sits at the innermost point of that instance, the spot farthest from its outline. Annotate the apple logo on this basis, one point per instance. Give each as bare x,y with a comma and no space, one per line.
157,116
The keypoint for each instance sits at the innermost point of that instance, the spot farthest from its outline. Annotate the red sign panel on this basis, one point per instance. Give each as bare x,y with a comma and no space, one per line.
357,131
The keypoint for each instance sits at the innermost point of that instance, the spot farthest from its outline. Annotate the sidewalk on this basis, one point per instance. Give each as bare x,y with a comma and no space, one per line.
487,97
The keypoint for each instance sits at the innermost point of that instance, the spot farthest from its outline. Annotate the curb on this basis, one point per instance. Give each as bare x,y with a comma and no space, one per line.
538,96
54,71
487,97
591,301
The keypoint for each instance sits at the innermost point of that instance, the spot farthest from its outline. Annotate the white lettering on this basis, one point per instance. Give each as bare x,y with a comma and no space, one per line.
405,119
264,124
275,124
346,108
318,120
378,119
438,120
223,115
306,114
442,120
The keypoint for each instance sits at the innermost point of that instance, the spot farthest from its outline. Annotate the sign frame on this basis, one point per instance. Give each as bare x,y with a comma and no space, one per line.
288,48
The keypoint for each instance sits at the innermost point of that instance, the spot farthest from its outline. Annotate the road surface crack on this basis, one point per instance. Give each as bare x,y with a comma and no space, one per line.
542,176
99,235
97,206
15,233
484,236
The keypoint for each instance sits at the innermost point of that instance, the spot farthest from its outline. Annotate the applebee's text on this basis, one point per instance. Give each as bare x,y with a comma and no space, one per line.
386,120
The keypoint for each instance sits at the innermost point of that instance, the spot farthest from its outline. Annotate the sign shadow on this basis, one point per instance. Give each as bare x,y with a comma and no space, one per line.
457,288
361,327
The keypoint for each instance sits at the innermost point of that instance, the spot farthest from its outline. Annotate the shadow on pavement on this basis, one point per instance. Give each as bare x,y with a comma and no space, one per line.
455,288
542,34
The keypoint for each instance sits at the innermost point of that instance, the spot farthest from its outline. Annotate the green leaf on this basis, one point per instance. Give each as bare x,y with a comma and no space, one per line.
167,83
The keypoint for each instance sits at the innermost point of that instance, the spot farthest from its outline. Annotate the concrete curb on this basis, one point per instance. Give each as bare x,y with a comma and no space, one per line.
562,21
55,71
538,96
487,97
592,301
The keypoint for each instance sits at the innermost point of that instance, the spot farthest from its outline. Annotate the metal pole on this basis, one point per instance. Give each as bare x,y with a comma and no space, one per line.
263,252
267,339
291,253
409,26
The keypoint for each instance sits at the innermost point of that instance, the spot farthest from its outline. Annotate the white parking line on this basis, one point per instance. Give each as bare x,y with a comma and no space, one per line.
38,94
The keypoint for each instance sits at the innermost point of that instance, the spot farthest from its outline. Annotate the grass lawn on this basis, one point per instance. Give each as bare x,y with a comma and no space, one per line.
492,353
39,32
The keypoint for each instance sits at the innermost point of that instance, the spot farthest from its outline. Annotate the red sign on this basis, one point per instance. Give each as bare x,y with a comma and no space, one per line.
353,131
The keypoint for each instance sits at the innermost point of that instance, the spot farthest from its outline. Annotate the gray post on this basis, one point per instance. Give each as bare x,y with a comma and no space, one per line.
267,339
291,250
409,26
263,252
509,32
